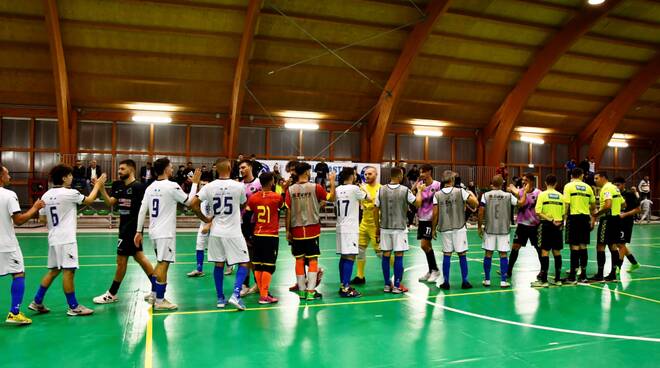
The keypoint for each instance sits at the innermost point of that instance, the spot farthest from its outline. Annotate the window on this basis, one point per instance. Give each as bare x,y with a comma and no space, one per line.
132,137
95,136
347,146
465,149
170,138
314,142
389,152
207,139
46,135
411,147
439,149
284,142
16,133
251,141
518,152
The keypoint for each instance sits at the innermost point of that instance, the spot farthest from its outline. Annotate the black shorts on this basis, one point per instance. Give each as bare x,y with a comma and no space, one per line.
126,247
627,228
578,229
609,230
525,233
307,248
550,236
265,250
424,229
247,228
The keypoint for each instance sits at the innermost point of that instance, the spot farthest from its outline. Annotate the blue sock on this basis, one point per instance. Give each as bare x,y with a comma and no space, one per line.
41,293
219,277
342,277
200,260
153,283
504,267
160,290
488,262
464,267
241,274
71,300
398,270
446,263
385,261
348,271
17,291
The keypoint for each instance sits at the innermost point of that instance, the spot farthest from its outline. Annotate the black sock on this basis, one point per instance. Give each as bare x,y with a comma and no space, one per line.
600,258
584,259
538,252
575,262
114,288
631,258
513,257
545,264
558,267
430,259
615,261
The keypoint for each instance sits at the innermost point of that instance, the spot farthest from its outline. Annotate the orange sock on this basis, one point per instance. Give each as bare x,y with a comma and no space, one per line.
266,277
313,265
257,276
300,266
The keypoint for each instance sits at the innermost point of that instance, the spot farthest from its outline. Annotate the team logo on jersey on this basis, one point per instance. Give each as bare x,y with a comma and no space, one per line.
553,196
129,191
71,256
580,187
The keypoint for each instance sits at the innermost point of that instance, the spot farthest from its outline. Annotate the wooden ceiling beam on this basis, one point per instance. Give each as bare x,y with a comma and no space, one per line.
603,126
381,118
503,121
241,74
62,96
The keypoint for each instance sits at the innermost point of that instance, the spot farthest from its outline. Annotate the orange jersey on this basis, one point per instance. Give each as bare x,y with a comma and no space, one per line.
266,207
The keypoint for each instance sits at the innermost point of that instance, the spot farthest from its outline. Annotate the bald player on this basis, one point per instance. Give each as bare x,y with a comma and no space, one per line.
368,225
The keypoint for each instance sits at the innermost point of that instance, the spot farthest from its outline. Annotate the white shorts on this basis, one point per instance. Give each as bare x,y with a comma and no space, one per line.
500,243
165,249
228,250
394,240
202,241
454,241
347,244
11,262
63,256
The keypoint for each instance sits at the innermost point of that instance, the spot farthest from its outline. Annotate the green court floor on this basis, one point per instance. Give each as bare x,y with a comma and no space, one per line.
601,324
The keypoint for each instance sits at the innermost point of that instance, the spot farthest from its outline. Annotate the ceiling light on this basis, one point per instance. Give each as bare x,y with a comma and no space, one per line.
595,2
537,130
533,140
301,125
152,107
618,143
429,122
301,114
428,132
530,165
152,118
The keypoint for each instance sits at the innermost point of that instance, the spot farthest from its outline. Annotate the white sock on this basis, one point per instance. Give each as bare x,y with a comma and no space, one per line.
311,280
301,282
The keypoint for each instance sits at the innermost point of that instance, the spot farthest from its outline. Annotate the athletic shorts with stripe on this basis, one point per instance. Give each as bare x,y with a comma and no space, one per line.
307,248
578,229
265,253
550,237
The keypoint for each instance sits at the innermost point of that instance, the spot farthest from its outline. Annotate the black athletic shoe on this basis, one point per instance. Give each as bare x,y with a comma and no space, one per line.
569,280
583,278
466,285
358,281
610,278
444,286
596,278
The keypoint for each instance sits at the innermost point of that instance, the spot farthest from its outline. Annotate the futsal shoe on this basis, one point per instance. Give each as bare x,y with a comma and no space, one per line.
486,283
106,298
268,300
540,284
444,286
435,276
399,290
634,267
349,293
557,283
313,295
505,284
80,310
387,289
237,302
302,294
294,288
195,273
358,281
610,278
150,298
165,305
425,278
570,281
466,285
222,302
596,278
17,319
40,308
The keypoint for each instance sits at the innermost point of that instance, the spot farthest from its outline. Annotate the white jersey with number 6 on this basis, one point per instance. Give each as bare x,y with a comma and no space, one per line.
61,212
347,207
161,198
226,197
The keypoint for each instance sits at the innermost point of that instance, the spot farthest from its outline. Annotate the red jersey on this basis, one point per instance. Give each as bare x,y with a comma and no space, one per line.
312,230
266,207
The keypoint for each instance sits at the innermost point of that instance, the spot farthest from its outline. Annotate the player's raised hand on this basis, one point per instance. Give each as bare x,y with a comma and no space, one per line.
100,182
421,186
197,176
332,176
39,204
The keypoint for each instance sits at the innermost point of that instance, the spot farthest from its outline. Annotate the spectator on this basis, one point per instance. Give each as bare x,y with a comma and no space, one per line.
504,173
93,172
404,180
592,166
570,165
321,169
358,177
214,172
79,174
413,175
645,206
256,166
235,174
189,168
644,188
147,175
207,176
180,176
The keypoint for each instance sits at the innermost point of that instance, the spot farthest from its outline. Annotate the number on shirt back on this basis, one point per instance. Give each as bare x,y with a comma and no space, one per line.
345,202
53,216
155,206
263,215
219,204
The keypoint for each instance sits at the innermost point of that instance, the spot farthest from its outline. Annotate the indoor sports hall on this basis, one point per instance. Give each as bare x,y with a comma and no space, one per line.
330,183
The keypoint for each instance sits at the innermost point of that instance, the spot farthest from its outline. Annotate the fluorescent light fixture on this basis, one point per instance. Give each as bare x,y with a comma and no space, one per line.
428,122
533,140
301,124
429,132
617,143
301,114
526,129
152,107
621,136
530,165
152,118
595,2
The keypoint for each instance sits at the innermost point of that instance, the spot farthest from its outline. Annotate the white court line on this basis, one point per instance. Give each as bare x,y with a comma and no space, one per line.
538,327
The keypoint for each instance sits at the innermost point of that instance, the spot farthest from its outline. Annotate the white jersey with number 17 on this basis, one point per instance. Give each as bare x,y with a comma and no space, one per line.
347,207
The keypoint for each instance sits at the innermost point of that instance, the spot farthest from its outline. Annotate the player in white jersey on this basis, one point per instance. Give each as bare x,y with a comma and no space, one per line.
61,214
226,242
11,258
347,207
160,200
202,242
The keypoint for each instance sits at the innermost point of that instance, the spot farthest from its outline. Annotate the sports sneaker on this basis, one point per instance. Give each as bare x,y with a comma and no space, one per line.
570,281
596,278
444,286
399,290
237,302
610,278
319,276
466,285
425,278
17,319
435,276
583,278
294,288
268,300
195,273
302,294
557,283
40,308
349,293
634,267
358,281
313,295
228,270
505,284
165,305
387,288
106,298
80,310
540,284
222,302
150,298
486,283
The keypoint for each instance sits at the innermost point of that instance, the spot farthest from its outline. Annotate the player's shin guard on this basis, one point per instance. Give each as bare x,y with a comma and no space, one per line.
160,291
545,265
348,271
17,292
558,262
487,265
464,267
264,284
575,263
600,259
385,262
631,258
219,278
241,275
312,274
398,270
584,259
615,261
430,260
504,268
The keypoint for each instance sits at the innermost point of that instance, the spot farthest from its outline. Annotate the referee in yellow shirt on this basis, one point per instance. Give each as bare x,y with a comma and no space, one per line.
609,226
581,203
550,209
